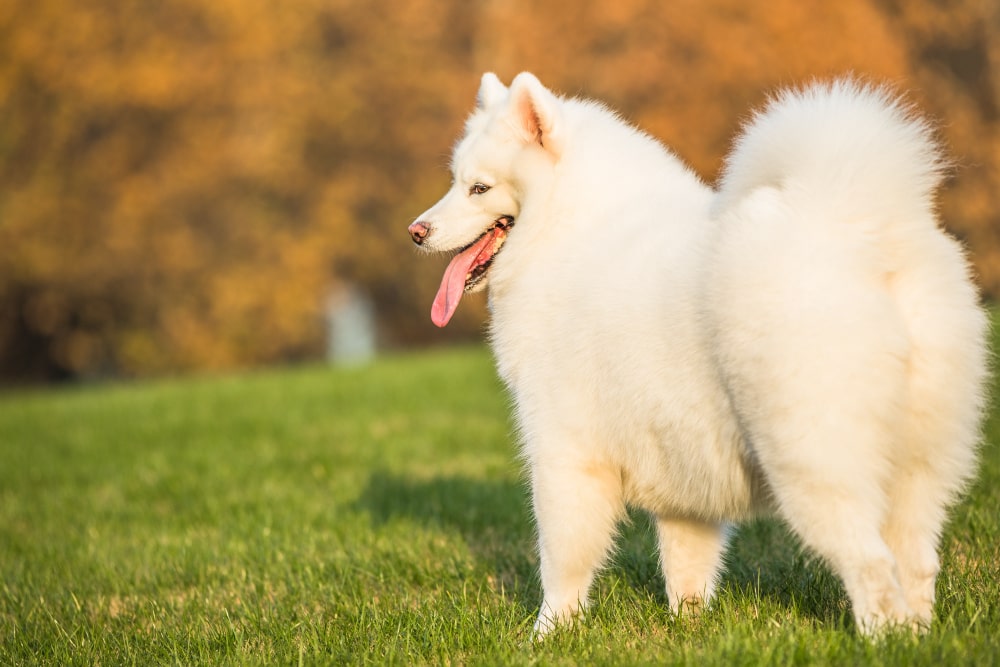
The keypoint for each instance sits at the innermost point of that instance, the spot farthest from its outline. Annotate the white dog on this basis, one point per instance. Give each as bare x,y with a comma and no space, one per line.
805,340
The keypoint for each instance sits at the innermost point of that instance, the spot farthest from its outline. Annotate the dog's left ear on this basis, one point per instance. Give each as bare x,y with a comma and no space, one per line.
491,91
536,112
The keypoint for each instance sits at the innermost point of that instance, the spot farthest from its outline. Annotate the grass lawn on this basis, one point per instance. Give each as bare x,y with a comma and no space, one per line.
379,515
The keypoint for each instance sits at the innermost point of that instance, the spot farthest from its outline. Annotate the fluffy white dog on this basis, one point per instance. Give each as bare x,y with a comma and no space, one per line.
804,340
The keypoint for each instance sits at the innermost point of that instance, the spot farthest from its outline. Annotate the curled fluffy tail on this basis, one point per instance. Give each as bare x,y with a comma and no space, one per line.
845,144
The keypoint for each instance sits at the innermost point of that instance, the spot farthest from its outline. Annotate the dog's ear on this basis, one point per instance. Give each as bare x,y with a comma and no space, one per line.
536,112
491,91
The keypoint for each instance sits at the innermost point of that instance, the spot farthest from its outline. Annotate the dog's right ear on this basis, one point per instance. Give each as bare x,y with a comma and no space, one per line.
491,91
536,112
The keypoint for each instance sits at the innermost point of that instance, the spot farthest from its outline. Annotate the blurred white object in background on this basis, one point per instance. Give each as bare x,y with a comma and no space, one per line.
350,323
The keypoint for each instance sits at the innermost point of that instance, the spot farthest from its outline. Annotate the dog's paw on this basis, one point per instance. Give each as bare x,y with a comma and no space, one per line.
548,620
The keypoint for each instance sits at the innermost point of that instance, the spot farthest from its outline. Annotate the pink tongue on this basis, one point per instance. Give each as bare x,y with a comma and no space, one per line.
453,283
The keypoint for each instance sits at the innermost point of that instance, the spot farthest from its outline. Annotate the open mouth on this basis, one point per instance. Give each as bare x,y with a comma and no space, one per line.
489,244
468,268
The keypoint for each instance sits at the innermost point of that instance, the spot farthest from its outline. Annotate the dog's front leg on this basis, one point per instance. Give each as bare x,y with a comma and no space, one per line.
577,506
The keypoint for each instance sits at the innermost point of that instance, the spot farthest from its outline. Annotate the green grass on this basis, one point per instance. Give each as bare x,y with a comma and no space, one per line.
379,515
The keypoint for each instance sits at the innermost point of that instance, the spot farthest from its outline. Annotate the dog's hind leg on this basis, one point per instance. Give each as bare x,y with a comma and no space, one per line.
826,468
840,519
691,556
824,430
824,427
821,392
577,508
937,459
912,530
947,368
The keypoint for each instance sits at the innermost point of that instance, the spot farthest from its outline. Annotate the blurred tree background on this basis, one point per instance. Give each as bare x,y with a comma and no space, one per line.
184,182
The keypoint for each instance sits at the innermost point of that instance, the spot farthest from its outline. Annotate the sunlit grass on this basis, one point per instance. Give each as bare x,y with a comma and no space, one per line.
379,515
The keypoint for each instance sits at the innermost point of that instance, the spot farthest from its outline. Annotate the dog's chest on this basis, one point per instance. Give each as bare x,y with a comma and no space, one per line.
654,413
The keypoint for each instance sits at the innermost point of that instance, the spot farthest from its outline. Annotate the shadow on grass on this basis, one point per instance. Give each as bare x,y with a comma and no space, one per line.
492,516
764,562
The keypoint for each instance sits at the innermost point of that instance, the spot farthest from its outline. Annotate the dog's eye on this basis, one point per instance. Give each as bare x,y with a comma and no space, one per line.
478,189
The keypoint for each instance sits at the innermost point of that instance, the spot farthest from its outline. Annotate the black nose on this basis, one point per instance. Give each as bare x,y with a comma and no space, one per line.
419,231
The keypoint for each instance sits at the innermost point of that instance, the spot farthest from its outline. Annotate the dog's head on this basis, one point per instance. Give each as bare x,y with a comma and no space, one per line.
511,141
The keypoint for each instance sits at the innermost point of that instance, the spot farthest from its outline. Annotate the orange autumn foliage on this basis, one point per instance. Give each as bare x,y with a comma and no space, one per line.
182,183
